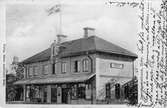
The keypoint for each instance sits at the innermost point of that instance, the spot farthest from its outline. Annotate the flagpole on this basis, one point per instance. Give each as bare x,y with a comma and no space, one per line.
60,16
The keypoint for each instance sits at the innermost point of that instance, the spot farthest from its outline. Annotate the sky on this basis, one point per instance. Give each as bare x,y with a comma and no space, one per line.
30,30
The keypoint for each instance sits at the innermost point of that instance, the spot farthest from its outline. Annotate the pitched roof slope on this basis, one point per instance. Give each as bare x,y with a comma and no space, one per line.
92,43
108,47
41,56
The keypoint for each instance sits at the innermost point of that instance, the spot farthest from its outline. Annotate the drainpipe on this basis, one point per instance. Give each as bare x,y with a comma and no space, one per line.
133,70
91,71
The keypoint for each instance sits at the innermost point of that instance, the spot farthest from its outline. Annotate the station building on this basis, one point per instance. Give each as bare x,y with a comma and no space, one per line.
83,71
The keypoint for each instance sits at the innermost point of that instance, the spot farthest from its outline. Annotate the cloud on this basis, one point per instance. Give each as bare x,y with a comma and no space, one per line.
28,34
22,30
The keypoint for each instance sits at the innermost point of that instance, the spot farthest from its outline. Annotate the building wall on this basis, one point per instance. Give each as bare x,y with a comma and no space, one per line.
69,72
105,73
58,67
40,68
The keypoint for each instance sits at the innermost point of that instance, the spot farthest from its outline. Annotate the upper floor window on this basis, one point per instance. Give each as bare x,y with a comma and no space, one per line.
77,66
31,71
46,69
64,67
53,68
35,70
85,65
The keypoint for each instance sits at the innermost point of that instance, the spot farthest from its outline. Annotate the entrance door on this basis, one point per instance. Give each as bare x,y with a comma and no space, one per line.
45,94
64,95
54,95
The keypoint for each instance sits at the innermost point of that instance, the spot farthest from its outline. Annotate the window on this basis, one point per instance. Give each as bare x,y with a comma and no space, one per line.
81,91
116,65
35,70
85,65
126,91
117,91
46,69
53,68
77,66
31,71
108,88
64,67
74,92
88,91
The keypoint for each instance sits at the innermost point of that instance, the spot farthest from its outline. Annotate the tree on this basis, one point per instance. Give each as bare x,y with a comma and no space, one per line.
20,72
133,92
13,92
10,88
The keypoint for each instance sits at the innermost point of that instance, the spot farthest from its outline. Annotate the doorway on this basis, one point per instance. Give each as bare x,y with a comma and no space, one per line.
54,95
64,95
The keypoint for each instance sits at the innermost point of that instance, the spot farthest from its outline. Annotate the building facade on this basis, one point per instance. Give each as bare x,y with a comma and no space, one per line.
88,70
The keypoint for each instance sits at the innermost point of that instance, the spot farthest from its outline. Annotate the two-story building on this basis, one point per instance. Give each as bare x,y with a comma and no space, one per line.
82,71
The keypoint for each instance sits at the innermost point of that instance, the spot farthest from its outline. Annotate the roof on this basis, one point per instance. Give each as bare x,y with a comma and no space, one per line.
92,43
42,56
56,79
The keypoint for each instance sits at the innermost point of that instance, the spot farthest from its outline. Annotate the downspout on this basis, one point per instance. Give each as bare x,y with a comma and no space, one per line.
92,86
133,70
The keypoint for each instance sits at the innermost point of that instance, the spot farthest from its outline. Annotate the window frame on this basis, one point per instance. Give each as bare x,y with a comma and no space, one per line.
45,73
117,91
85,65
35,72
30,73
77,66
74,91
63,67
81,94
88,90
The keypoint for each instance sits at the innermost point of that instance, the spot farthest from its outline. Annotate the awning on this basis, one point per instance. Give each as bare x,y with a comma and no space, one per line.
56,79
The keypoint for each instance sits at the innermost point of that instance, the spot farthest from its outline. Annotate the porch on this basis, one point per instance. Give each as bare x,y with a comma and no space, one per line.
48,91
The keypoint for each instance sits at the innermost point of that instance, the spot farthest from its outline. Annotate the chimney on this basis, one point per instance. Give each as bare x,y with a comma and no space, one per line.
61,38
89,32
15,60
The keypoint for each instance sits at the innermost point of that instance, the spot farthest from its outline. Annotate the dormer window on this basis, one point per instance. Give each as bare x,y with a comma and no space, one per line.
85,65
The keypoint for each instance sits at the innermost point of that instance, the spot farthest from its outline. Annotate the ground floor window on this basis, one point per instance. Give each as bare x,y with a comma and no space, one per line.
126,91
74,91
53,94
88,91
108,93
61,93
117,91
81,91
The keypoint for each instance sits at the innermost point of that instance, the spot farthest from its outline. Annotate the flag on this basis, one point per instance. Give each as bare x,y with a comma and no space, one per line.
54,9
